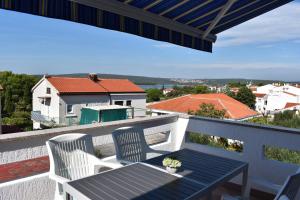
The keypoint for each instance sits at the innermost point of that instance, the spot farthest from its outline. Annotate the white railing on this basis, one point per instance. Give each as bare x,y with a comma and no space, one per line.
264,174
27,145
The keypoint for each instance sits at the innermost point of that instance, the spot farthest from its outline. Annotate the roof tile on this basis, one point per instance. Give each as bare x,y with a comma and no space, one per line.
67,85
234,109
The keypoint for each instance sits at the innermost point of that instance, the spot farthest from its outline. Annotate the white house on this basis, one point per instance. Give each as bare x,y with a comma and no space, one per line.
58,100
272,98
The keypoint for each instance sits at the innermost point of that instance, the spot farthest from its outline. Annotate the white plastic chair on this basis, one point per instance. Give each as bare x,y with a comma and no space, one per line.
131,145
72,157
289,191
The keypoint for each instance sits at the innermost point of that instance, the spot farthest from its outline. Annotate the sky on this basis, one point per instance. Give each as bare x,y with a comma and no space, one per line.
267,47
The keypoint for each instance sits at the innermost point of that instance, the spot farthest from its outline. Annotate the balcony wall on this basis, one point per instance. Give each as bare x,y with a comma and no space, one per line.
266,175
29,145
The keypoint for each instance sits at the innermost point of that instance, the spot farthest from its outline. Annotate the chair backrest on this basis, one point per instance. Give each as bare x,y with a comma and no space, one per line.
290,189
68,155
130,144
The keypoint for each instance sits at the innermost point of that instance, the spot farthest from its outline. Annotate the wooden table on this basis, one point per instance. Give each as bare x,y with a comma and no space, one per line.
199,175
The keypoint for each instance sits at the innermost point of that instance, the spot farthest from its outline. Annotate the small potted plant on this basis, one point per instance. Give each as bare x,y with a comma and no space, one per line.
171,164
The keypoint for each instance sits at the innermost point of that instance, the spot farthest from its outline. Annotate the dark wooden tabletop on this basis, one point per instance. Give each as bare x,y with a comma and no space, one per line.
136,181
204,168
199,174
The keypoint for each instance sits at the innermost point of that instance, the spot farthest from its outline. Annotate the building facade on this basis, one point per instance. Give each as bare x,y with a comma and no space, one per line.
272,98
59,100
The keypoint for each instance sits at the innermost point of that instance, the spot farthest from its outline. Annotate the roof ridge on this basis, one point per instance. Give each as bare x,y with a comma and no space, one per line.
166,100
225,108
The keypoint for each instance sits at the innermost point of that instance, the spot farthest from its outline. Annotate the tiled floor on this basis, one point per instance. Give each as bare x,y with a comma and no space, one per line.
23,169
232,191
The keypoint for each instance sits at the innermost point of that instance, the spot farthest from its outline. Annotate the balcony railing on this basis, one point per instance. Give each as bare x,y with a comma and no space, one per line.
264,174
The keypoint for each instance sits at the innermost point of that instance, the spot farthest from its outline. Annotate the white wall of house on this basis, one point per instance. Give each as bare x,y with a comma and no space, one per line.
48,107
266,89
55,107
138,102
78,102
276,97
260,104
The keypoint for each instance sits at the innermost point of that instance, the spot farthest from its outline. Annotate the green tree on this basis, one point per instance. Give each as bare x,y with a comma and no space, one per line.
246,96
16,98
229,93
8,103
236,84
201,89
153,95
209,110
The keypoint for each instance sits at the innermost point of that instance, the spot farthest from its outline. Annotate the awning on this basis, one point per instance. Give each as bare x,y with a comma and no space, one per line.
189,23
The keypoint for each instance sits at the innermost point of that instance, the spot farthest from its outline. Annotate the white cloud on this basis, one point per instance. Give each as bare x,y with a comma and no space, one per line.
279,25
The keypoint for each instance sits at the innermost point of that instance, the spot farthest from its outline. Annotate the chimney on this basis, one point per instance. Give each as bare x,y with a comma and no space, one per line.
93,77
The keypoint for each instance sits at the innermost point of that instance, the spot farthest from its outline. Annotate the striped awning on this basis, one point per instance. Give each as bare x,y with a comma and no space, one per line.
189,23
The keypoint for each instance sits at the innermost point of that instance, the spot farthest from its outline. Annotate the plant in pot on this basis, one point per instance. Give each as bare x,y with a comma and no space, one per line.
171,164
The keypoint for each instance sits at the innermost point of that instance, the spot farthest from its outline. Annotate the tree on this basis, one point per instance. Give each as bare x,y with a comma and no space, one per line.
209,110
8,103
246,96
153,95
201,89
229,93
236,84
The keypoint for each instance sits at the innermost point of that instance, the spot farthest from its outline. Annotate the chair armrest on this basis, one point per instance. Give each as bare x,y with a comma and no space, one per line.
58,179
159,151
125,162
96,162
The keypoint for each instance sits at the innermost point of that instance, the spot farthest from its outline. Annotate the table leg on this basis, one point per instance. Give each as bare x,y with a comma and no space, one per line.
245,186
209,196
67,196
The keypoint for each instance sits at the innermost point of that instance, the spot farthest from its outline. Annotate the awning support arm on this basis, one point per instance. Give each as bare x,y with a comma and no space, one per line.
145,16
223,11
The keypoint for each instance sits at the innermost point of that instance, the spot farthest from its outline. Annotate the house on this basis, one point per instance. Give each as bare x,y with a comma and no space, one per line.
235,110
273,98
59,100
167,90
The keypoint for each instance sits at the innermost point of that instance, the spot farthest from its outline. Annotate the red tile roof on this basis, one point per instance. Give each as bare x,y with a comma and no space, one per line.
67,85
259,94
119,85
234,109
289,104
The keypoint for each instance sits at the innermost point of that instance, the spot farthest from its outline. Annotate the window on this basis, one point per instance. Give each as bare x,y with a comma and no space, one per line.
48,91
69,108
120,103
128,103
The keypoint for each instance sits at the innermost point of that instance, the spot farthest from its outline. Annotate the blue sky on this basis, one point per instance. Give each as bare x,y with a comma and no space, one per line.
267,47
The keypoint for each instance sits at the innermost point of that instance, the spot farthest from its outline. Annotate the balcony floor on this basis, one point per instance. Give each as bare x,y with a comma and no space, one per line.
234,190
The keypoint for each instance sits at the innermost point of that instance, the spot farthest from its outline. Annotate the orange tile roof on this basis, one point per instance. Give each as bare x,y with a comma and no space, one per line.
259,94
119,85
75,85
234,109
289,104
67,85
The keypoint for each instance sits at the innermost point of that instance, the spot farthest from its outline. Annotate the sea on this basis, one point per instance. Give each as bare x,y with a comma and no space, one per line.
158,86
